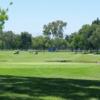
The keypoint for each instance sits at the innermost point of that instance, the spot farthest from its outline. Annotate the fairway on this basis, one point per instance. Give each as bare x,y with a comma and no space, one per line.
49,76
49,50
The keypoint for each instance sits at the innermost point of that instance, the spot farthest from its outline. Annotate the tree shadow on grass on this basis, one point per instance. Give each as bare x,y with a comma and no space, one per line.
31,88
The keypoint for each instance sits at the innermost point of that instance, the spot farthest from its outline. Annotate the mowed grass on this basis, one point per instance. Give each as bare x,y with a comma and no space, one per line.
9,56
49,76
53,70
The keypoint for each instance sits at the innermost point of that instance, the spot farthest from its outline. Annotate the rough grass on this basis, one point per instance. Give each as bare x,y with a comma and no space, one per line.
47,77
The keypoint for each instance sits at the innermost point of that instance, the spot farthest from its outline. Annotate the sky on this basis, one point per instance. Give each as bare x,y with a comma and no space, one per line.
31,15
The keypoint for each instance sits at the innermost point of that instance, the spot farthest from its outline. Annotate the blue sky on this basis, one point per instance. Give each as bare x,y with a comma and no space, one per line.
31,15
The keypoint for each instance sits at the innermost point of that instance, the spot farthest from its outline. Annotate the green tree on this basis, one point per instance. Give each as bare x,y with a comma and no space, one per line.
17,41
26,40
84,33
97,21
87,38
38,43
95,39
3,19
9,38
54,29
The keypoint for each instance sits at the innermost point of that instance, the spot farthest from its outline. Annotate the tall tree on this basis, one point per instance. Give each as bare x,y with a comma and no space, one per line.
3,19
26,40
95,39
54,29
97,21
9,38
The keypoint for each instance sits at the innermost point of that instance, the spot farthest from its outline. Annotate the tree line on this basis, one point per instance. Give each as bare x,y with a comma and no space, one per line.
87,38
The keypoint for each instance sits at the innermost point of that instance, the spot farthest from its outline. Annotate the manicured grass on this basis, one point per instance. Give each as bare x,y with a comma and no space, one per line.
8,56
36,88
49,76
53,70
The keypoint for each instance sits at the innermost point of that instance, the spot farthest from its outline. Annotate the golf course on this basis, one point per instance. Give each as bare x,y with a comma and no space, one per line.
49,50
49,76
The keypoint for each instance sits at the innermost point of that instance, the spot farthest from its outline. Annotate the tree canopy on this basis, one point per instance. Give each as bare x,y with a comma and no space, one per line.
54,29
